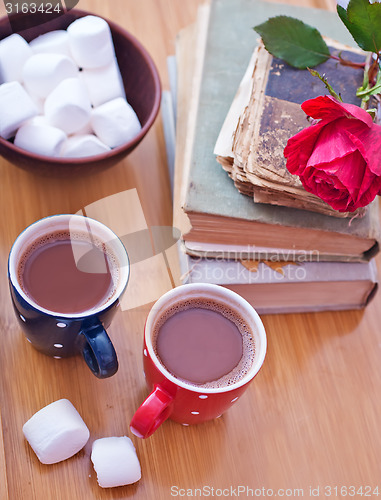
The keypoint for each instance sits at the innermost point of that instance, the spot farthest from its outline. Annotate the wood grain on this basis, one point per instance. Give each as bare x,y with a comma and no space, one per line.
310,419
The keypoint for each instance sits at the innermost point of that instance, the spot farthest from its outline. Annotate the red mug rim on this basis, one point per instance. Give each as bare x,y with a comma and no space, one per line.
214,291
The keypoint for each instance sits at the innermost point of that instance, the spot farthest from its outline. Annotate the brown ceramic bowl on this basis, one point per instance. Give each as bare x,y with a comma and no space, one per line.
141,82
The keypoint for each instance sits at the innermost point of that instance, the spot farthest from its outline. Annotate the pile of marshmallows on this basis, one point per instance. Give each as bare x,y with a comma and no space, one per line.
57,432
62,94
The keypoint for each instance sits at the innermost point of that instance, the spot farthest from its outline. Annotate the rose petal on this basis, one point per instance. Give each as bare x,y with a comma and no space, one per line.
328,109
299,148
369,188
323,181
333,143
368,141
358,136
354,175
336,197
368,196
353,129
352,186
338,158
327,187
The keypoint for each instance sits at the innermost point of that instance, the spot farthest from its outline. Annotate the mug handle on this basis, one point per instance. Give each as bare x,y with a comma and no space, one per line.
98,351
152,413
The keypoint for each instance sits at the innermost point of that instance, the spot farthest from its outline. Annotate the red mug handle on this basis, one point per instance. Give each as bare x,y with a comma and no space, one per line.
152,413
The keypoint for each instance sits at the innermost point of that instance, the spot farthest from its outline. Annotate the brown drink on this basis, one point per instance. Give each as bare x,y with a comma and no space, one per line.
52,274
204,343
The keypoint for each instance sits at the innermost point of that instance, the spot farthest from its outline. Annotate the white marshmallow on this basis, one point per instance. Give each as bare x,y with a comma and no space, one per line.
38,101
68,106
79,146
56,432
14,52
86,130
43,72
115,122
115,462
16,107
103,84
91,42
55,42
40,138
36,120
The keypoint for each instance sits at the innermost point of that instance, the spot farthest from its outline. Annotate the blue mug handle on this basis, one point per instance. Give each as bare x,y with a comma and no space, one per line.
98,351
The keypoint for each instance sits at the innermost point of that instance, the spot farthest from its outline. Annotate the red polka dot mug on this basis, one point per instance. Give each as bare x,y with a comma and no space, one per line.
182,334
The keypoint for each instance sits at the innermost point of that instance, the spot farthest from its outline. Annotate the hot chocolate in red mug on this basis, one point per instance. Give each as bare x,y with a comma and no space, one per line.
203,345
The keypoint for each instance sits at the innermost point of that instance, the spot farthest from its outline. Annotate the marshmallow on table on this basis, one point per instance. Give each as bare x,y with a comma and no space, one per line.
43,72
40,138
16,107
91,42
68,106
103,84
115,462
56,42
14,52
115,122
79,146
56,432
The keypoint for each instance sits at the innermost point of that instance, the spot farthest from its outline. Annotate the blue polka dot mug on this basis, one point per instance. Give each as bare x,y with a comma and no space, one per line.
56,269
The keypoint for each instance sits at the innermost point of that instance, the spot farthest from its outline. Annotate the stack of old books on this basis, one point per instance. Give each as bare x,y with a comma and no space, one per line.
245,222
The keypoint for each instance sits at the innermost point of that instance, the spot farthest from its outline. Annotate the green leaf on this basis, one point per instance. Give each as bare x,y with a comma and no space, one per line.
363,21
297,43
342,13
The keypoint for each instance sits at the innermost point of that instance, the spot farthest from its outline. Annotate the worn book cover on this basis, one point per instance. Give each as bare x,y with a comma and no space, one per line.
266,112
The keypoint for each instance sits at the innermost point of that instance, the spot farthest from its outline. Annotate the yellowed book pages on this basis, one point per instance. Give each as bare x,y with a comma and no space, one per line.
190,50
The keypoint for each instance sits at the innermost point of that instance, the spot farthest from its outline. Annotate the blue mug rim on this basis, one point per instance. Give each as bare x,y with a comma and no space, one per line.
56,314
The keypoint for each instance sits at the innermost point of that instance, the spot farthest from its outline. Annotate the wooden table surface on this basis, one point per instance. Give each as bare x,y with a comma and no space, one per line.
309,425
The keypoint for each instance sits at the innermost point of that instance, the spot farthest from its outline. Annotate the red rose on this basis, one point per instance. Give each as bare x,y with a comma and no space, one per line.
339,157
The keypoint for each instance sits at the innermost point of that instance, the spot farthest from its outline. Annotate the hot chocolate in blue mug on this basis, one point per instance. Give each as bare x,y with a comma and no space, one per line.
67,274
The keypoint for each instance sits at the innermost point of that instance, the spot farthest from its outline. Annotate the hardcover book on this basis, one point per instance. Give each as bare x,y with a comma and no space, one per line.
292,288
272,287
